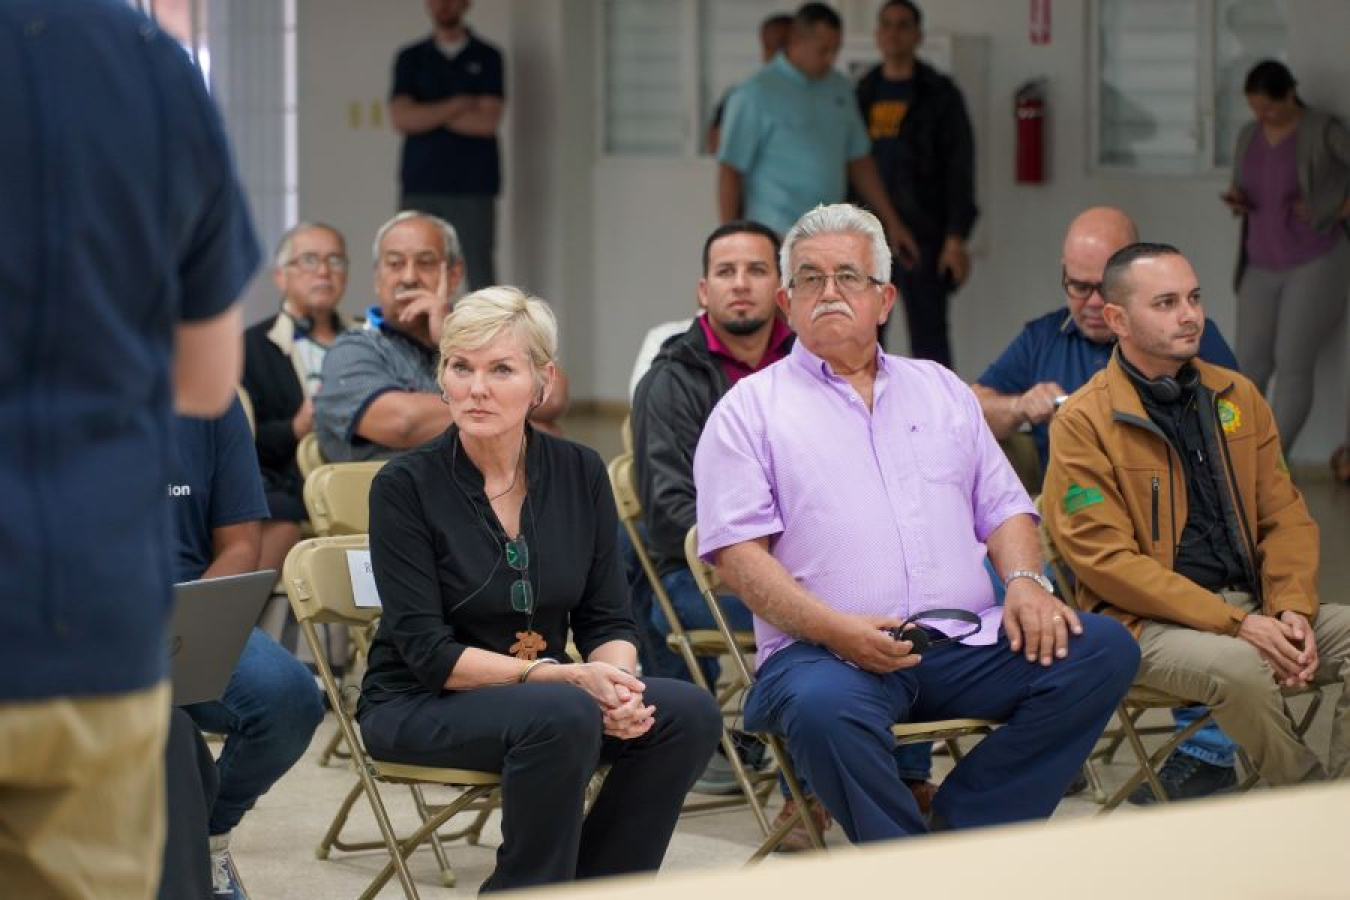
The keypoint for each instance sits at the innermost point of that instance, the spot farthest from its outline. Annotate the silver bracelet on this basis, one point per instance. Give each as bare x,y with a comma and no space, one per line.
530,666
1035,576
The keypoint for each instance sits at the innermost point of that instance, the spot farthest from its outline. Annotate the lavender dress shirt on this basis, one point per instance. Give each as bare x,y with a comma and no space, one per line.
881,513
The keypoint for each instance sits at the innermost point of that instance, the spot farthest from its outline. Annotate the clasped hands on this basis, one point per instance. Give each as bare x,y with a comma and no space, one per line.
618,694
1286,643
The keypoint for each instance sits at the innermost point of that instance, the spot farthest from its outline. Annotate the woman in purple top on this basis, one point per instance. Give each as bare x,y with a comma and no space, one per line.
1291,185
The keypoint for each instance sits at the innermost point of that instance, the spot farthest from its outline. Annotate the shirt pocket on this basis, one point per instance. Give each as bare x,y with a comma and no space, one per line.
941,455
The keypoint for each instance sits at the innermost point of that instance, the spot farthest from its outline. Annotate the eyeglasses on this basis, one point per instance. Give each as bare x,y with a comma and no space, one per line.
309,262
422,262
810,285
518,558
1080,290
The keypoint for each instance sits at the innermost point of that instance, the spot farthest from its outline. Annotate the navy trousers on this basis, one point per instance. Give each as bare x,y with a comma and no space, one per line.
836,719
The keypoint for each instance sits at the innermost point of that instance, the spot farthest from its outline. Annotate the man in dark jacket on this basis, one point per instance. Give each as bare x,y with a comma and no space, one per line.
737,333
283,359
925,154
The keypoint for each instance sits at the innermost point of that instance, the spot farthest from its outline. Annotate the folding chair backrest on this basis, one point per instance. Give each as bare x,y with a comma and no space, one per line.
308,454
626,433
1058,567
623,482
337,496
705,576
1020,448
319,584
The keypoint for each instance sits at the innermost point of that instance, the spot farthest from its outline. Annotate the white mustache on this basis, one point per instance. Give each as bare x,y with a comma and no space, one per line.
831,306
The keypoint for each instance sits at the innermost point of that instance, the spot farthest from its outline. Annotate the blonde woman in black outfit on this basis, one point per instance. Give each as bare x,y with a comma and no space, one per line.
490,544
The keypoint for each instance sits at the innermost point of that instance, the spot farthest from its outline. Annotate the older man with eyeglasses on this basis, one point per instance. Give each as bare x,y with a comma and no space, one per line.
283,361
1055,354
845,492
379,394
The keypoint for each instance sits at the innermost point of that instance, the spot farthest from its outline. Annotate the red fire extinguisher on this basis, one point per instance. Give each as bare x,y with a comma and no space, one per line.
1029,108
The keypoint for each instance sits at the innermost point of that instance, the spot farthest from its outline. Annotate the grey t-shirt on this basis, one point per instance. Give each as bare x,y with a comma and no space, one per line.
360,366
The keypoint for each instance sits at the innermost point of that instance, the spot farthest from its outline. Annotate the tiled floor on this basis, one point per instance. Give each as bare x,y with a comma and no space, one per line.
274,846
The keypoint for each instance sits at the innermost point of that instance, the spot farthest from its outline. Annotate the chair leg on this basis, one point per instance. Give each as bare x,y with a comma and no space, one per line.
335,747
399,852
419,801
1147,763
743,779
398,863
803,813
954,748
332,837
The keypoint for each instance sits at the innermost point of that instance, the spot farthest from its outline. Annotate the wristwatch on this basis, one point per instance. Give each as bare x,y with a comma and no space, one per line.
1037,577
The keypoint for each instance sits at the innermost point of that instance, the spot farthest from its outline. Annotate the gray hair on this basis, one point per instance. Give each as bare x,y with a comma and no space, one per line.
283,254
480,317
449,240
838,218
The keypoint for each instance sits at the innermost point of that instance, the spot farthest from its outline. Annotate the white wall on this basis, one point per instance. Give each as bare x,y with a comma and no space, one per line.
615,243
652,216
348,152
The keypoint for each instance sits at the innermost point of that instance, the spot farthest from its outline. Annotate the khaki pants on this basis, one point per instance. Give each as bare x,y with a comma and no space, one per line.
1228,675
82,796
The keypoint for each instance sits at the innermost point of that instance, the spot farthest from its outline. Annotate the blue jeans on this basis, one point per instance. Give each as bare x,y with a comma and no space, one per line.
655,658
836,719
1209,744
268,714
695,615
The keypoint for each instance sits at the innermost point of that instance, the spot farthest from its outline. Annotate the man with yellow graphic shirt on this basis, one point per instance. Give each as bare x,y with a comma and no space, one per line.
925,154
1168,496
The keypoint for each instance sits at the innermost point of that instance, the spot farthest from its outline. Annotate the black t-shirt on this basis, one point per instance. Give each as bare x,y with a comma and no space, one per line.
441,569
884,117
441,161
1206,553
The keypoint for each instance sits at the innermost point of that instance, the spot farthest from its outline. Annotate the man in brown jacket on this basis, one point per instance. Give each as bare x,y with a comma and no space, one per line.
1168,496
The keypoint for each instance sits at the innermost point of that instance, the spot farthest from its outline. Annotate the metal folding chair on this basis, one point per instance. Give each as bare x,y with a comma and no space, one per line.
318,584
947,730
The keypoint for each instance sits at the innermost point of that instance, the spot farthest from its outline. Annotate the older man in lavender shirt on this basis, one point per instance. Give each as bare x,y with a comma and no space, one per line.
842,492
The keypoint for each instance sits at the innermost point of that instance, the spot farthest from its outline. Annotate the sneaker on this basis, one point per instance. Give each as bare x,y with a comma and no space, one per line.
1184,777
718,777
225,883
798,840
752,751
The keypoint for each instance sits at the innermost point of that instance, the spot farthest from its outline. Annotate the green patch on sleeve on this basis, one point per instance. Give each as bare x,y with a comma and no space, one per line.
1077,499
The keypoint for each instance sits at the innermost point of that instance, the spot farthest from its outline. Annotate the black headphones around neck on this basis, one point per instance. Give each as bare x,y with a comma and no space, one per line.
1164,389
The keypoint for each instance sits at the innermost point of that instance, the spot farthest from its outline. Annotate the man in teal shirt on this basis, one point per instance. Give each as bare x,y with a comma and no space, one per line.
793,137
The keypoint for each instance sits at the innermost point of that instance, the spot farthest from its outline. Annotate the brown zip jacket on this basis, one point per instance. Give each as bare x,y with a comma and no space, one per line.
1115,503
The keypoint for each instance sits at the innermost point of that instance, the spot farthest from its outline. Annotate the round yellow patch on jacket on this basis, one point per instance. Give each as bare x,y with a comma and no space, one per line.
1230,417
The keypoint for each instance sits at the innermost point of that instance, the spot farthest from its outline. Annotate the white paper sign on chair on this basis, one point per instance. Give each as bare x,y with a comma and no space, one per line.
363,579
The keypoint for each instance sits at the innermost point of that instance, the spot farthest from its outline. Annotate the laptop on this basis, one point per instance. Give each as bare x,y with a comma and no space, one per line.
212,620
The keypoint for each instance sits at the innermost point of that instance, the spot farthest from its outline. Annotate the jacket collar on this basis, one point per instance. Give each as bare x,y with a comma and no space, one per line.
282,332
1126,404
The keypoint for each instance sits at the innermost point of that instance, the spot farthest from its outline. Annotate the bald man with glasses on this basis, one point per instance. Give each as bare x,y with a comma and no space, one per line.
1055,354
